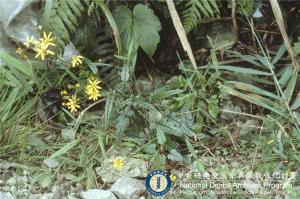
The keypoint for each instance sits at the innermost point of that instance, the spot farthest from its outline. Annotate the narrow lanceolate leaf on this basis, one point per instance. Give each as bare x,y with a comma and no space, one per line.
296,103
64,149
288,92
260,101
16,64
249,71
279,54
112,24
251,88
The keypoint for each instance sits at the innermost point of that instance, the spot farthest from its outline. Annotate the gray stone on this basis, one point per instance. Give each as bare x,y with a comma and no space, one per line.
51,163
97,194
128,188
11,181
6,195
47,196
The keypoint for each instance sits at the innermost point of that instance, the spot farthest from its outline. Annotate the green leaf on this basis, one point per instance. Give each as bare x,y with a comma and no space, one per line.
64,149
149,149
251,88
279,54
191,148
255,99
108,109
142,25
244,70
160,135
122,124
44,180
112,24
175,156
213,107
15,63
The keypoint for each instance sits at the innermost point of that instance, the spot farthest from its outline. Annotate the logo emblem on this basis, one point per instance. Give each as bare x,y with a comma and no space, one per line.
158,183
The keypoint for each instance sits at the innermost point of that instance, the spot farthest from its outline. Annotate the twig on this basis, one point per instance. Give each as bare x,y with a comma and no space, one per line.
180,31
235,27
279,19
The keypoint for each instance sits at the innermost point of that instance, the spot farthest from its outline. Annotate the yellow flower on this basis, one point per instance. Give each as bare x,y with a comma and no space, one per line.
29,41
118,164
76,60
77,85
93,89
173,178
19,51
47,40
64,92
42,51
72,103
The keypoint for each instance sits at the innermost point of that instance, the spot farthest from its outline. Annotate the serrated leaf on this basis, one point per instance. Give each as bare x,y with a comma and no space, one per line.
122,123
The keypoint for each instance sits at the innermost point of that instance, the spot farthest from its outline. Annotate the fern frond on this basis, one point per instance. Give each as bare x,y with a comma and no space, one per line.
197,10
62,17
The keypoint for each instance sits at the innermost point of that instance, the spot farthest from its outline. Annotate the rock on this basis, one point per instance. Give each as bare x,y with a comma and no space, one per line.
56,191
11,181
128,188
47,196
97,194
251,186
6,165
6,195
51,163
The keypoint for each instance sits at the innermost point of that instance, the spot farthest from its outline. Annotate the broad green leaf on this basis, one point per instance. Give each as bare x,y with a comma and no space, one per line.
142,25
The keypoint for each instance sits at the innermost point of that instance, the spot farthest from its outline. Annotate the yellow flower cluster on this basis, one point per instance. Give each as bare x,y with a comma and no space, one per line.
41,46
93,89
72,103
118,164
76,60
